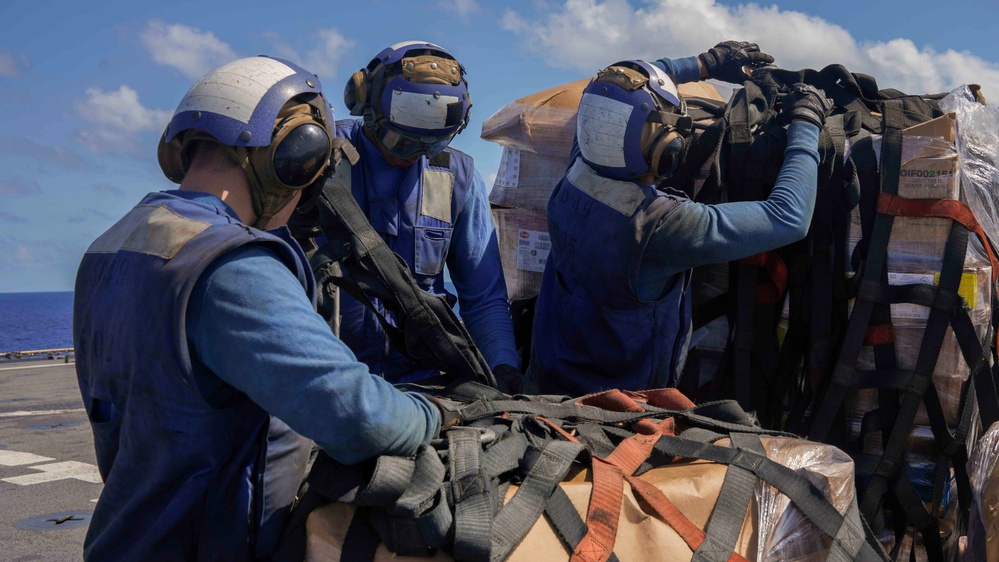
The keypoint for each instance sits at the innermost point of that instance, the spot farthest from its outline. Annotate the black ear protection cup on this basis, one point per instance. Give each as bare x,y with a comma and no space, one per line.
665,152
355,94
298,153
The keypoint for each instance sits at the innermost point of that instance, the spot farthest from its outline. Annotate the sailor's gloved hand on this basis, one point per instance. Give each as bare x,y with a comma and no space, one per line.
449,417
807,103
725,60
509,379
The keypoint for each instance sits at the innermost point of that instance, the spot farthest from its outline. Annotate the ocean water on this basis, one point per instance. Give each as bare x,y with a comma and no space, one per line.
30,321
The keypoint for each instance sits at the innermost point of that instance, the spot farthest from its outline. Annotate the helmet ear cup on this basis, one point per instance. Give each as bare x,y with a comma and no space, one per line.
171,158
355,95
665,152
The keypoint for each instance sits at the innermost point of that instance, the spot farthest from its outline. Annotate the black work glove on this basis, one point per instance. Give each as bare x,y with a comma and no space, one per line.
509,379
725,60
807,103
449,417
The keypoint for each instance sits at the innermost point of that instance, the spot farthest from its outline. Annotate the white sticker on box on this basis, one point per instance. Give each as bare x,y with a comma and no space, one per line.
508,175
909,310
532,250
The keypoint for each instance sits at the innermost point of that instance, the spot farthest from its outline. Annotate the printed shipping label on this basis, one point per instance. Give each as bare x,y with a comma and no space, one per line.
532,250
967,289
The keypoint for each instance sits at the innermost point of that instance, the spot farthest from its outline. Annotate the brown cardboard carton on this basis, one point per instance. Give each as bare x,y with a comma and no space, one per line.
525,180
929,171
909,323
524,245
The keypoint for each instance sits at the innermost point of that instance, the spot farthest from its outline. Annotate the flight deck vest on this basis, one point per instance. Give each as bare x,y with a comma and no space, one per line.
591,330
185,479
416,219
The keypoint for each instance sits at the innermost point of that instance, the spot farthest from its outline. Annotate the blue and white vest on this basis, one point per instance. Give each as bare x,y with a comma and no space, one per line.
416,219
184,479
591,330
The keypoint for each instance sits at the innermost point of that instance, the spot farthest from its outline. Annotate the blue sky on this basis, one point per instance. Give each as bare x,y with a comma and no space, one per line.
86,88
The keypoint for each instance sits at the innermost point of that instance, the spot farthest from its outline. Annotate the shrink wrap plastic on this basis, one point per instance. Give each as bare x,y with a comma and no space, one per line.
785,534
983,526
978,148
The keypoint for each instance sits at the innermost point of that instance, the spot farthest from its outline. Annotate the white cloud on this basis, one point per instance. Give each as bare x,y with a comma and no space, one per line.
320,54
188,49
19,186
462,8
118,116
589,34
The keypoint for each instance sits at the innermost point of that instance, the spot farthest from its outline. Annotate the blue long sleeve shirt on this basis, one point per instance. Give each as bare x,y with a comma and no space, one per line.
694,234
477,273
473,261
250,325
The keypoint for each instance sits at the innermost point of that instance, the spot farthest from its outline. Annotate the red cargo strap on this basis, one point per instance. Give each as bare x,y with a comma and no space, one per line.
941,208
772,291
880,334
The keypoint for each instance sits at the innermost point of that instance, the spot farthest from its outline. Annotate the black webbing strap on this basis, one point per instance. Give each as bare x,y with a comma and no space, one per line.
566,521
518,516
361,542
721,534
425,327
420,521
891,159
570,410
473,515
849,538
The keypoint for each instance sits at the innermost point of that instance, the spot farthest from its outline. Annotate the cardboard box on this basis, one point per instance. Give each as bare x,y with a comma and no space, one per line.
929,171
525,180
909,323
524,245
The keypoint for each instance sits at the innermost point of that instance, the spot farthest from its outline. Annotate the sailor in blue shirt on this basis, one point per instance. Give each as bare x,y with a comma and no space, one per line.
203,366
428,203
614,307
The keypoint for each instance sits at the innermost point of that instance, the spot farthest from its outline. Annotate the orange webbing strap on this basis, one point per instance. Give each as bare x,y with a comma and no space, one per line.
772,291
603,514
941,208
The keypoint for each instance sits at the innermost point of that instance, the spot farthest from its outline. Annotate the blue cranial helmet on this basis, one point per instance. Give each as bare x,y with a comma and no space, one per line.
631,122
271,118
413,97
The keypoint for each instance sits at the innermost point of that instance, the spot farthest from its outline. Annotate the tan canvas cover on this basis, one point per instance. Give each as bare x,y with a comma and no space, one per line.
773,529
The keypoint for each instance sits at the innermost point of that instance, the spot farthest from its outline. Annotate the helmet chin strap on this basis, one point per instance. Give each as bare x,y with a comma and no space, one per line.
267,200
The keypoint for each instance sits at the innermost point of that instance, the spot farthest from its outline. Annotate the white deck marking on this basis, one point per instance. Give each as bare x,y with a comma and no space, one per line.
38,366
58,471
23,413
15,458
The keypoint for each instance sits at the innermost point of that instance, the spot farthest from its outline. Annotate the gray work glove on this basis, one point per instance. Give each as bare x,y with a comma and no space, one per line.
807,103
725,60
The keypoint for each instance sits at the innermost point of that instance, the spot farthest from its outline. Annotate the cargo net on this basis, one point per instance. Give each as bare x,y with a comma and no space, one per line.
614,475
877,332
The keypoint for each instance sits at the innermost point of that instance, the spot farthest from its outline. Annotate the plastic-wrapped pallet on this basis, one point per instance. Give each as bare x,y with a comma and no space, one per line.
536,134
983,526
